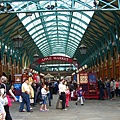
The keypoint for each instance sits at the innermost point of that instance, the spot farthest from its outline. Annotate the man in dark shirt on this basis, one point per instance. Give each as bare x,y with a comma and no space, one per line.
101,88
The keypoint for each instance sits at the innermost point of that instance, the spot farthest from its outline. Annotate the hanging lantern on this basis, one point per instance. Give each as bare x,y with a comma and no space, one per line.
83,49
18,41
36,56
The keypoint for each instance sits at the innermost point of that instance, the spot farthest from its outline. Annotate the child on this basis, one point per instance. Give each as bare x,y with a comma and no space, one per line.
44,96
2,110
80,95
67,96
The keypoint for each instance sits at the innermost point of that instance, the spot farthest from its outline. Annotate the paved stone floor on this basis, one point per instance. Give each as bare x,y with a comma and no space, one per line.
92,110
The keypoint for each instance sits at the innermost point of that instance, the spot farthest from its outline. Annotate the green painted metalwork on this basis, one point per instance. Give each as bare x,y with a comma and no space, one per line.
7,38
112,32
92,38
106,6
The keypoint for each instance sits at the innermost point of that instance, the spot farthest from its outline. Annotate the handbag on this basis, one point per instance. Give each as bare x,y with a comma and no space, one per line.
5,100
31,100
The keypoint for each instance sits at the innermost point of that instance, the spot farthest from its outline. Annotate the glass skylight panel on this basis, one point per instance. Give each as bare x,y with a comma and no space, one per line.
52,36
31,32
41,41
39,32
43,46
62,35
26,20
32,17
50,28
46,14
21,15
72,44
61,32
54,32
33,36
64,29
32,7
50,23
37,15
29,27
50,18
90,13
36,22
74,31
36,39
17,5
71,34
79,28
63,23
79,34
63,18
74,41
66,3
43,34
46,50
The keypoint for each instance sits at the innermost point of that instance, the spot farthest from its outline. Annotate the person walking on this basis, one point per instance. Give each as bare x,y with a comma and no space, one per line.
80,95
62,90
25,96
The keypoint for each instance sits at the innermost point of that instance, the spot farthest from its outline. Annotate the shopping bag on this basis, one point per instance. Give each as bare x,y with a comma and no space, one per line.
59,104
5,100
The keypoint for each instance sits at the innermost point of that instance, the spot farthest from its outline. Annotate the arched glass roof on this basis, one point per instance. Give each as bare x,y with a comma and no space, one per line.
57,31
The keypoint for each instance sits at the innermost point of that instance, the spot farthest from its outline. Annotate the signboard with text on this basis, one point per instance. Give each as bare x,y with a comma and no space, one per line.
50,58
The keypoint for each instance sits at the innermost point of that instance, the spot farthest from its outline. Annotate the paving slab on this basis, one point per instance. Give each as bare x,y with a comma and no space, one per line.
92,110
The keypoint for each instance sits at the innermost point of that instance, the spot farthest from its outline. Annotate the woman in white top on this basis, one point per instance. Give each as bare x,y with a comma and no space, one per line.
44,92
62,90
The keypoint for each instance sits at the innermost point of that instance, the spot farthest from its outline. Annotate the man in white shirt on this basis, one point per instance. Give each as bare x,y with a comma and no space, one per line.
25,96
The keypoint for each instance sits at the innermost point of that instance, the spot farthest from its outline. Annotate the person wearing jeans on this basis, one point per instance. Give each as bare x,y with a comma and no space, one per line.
44,92
25,97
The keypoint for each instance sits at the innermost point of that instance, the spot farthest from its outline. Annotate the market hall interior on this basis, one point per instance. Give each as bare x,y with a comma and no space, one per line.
75,39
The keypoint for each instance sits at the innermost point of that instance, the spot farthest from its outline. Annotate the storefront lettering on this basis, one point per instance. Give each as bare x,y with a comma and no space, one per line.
46,59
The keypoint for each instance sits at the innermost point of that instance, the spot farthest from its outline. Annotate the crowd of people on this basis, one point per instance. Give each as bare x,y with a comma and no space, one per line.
5,101
41,92
111,86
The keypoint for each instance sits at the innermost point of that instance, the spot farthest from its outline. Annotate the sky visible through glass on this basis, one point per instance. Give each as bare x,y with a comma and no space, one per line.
56,32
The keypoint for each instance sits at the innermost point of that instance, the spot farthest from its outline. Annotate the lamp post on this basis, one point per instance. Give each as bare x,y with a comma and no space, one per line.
18,41
83,49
